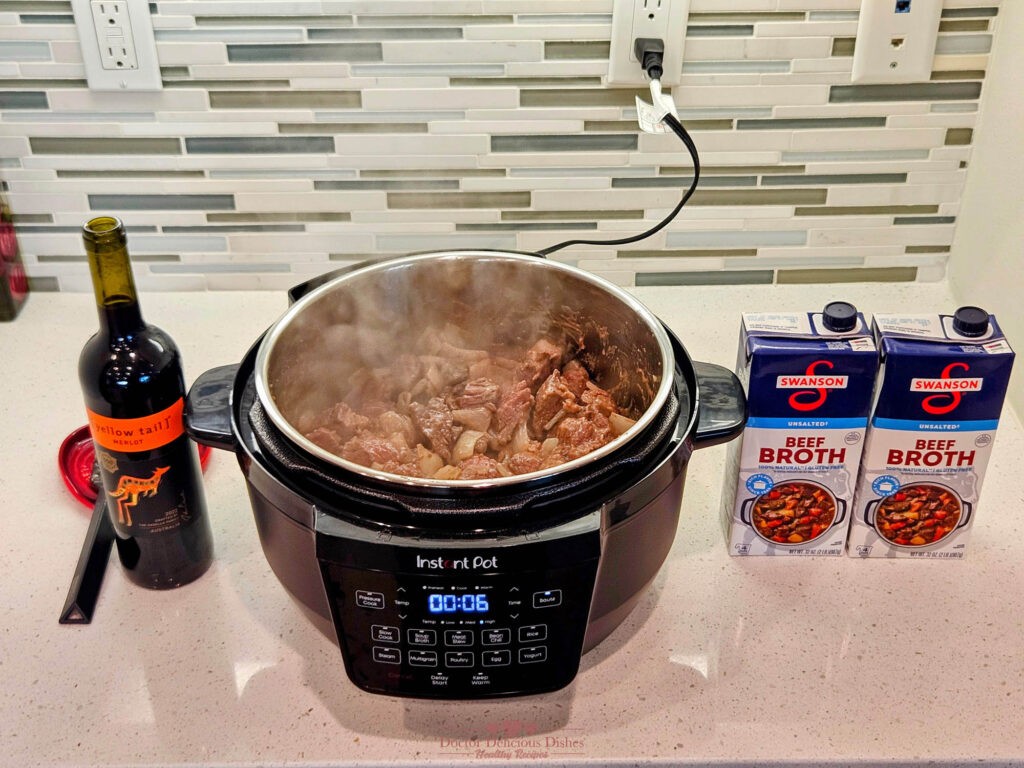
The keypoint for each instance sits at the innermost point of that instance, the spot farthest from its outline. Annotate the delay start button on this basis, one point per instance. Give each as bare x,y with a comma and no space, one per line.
547,599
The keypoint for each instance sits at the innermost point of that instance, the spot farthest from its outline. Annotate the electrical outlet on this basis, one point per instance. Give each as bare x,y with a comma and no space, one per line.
896,41
660,19
118,46
114,34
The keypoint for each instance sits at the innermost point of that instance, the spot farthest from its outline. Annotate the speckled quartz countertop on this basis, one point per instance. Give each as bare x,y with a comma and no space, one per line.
725,661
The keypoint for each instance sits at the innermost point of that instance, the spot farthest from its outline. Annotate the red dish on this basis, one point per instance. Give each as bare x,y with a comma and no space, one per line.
76,457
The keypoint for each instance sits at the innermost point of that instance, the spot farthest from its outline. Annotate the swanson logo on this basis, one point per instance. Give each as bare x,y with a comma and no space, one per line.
813,386
949,389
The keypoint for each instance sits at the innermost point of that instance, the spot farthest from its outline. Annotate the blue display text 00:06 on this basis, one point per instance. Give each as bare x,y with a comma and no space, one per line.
448,603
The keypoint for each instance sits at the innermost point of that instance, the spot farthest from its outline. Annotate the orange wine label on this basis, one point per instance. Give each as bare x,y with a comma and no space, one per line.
141,434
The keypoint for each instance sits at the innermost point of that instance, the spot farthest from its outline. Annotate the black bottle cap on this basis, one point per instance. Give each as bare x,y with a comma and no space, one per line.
839,316
970,321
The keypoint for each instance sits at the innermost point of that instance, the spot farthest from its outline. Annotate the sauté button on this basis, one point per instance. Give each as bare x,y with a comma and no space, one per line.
547,599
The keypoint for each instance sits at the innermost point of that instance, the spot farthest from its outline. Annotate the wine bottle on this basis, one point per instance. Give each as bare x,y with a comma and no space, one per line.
132,380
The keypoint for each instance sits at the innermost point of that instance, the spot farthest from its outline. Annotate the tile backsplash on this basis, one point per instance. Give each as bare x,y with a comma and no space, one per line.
294,137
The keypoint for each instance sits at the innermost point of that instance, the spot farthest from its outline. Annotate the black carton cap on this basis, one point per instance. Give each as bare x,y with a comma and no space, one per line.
970,321
839,316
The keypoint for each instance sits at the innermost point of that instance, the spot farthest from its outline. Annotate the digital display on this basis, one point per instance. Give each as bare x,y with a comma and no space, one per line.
447,602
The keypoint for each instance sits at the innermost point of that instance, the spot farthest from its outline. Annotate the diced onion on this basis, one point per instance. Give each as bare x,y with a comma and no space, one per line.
548,447
447,472
470,441
429,461
619,423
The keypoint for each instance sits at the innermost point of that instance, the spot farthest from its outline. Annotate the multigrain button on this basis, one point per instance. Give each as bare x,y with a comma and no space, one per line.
373,600
496,636
381,633
422,658
533,633
458,637
458,659
533,654
387,655
422,637
547,599
496,658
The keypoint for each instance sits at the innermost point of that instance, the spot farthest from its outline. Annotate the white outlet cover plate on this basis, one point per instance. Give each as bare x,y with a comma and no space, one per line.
662,19
146,77
896,47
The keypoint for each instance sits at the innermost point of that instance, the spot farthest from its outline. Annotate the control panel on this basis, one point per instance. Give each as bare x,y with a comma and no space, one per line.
460,622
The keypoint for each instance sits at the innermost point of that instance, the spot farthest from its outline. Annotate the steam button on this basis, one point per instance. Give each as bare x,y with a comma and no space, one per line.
547,599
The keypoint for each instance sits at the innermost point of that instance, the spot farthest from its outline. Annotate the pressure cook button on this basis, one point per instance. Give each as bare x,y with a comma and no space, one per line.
373,600
422,637
533,654
423,658
496,658
458,659
496,636
384,634
387,655
547,599
458,637
533,633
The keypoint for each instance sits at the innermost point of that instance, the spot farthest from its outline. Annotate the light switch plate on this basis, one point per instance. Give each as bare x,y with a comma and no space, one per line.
896,41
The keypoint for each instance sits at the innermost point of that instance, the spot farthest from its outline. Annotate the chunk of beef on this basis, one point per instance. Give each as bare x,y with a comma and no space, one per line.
540,360
580,435
478,392
597,400
479,467
343,421
523,462
554,400
327,439
513,410
576,377
435,421
369,449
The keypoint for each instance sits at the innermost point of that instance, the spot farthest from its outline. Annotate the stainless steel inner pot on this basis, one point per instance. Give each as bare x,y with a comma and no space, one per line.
377,312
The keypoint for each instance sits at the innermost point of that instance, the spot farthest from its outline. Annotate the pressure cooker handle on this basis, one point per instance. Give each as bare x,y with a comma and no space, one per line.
296,292
869,512
208,408
722,405
965,518
747,511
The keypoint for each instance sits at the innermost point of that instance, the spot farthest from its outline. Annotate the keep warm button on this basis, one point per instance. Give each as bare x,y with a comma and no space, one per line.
548,599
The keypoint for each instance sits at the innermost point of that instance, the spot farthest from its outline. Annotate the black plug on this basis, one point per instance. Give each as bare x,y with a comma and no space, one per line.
651,52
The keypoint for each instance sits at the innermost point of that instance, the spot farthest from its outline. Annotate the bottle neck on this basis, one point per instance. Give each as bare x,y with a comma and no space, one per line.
116,299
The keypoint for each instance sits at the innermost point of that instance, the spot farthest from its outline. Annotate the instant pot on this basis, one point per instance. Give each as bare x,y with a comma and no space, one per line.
464,588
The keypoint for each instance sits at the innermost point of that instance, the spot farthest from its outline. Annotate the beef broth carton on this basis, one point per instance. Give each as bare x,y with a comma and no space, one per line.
790,479
942,385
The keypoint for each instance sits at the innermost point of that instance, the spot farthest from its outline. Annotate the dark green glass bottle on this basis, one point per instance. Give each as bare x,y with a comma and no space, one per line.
134,389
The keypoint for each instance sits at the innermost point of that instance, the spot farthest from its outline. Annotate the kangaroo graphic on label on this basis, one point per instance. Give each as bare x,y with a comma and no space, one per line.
130,489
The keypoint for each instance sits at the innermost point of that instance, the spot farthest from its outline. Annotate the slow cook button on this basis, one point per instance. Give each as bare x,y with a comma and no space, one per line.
422,637
458,659
496,658
373,600
533,633
533,655
458,637
547,599
496,636
387,655
423,658
381,633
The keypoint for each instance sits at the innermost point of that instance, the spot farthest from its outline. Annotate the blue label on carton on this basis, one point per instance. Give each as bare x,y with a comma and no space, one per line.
793,473
936,412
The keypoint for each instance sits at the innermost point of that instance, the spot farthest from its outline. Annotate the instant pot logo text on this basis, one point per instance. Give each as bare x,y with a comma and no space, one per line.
950,389
813,386
466,563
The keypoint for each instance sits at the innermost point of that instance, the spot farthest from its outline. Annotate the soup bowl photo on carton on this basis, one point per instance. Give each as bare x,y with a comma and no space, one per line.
918,515
765,513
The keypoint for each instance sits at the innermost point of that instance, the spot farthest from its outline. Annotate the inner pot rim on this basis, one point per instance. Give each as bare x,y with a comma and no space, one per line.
648,319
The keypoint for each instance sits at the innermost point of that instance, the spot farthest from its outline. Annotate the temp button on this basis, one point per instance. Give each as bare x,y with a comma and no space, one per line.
547,599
